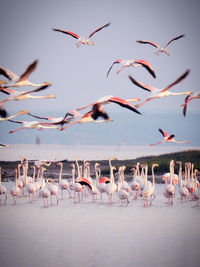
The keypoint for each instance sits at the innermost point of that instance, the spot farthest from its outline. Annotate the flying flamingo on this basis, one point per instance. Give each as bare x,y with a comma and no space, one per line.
92,116
82,40
133,63
150,188
64,185
23,79
189,98
112,99
156,93
2,190
160,48
33,125
17,95
168,138
15,190
5,145
22,112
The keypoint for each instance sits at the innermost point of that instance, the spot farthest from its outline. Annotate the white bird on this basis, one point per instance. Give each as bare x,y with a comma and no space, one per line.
124,191
53,189
169,188
157,93
183,191
2,190
196,193
64,185
150,188
15,190
44,192
133,63
135,185
111,187
23,79
82,40
161,49
30,187
77,187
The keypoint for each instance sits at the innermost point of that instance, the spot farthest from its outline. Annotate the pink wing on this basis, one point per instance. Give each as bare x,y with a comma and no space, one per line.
106,25
147,66
183,76
68,32
8,74
123,103
7,91
142,85
156,143
165,134
116,61
148,42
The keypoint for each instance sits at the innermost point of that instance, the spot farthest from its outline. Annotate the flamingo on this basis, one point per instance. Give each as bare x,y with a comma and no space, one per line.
44,192
189,98
168,138
36,183
196,193
19,181
133,63
17,95
101,182
53,189
160,48
32,125
77,187
22,112
30,187
169,188
23,79
5,145
183,191
64,185
91,116
135,186
112,99
124,191
2,190
156,93
15,190
150,188
82,40
111,187
190,181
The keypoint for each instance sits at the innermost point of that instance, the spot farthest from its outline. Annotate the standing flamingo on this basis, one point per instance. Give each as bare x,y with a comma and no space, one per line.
196,193
82,40
183,191
15,190
77,187
2,190
133,63
189,98
124,192
64,185
30,187
169,188
150,188
156,93
135,186
168,138
23,79
160,48
44,192
53,189
111,187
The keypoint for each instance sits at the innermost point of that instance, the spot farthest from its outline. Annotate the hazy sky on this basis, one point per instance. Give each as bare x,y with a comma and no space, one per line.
78,75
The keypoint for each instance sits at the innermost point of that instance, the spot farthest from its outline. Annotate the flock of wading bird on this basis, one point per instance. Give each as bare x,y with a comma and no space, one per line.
97,111
82,185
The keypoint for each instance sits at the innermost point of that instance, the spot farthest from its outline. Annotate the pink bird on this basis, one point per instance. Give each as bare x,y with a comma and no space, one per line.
82,40
112,99
160,48
168,138
133,63
156,93
92,116
187,101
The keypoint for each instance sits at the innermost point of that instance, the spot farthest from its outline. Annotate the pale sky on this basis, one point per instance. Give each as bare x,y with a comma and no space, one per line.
78,75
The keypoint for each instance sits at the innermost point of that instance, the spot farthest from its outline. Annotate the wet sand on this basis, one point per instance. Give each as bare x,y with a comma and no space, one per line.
97,234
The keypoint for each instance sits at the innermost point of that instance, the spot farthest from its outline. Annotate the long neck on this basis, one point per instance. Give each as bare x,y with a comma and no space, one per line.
19,166
153,176
112,176
183,93
78,168
73,174
16,176
33,174
61,170
111,170
171,172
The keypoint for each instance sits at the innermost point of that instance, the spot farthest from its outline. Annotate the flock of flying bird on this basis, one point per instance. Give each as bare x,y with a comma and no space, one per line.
82,185
97,111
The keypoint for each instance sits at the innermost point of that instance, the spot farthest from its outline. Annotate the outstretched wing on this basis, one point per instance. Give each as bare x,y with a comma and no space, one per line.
28,71
183,76
116,61
147,66
176,38
185,105
43,87
8,74
164,134
148,42
123,103
106,25
98,111
67,32
142,85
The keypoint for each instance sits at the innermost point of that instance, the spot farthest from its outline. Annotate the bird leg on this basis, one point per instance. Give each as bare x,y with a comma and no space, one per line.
152,199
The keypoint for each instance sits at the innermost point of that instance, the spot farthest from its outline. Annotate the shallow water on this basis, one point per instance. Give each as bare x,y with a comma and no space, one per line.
98,234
